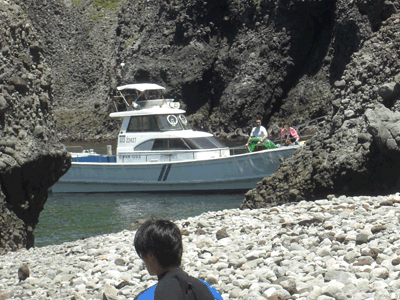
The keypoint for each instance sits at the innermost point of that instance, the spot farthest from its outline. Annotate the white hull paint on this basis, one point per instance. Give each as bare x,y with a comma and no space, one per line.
233,173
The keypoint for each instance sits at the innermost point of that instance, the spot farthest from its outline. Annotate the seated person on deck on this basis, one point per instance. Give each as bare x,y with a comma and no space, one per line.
288,133
258,132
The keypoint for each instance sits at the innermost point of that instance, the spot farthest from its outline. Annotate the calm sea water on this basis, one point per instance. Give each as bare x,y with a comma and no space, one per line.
69,217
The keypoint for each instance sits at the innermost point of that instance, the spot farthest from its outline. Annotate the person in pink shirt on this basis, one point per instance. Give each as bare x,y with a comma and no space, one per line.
288,133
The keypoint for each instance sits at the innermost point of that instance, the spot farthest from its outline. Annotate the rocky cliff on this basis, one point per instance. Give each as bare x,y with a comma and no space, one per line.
31,158
228,62
357,151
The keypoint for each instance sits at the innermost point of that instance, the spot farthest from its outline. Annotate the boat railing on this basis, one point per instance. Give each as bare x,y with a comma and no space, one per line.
173,155
151,156
306,130
95,158
238,150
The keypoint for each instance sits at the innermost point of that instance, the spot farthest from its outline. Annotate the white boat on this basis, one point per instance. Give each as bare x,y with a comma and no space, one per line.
158,151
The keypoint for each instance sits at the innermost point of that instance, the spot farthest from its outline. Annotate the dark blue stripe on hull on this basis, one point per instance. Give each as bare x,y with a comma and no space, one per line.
162,172
167,172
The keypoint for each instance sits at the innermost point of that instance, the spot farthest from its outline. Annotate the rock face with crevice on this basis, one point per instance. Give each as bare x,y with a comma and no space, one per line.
78,43
31,158
229,62
358,149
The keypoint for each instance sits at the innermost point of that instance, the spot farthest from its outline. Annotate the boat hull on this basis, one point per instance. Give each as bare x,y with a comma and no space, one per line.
233,173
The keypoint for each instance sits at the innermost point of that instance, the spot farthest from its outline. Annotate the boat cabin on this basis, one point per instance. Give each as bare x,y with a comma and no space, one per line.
156,130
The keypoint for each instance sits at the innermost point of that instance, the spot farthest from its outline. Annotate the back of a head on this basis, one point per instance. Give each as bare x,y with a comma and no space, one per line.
161,238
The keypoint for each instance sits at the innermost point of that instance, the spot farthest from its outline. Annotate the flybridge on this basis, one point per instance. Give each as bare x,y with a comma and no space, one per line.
139,103
142,87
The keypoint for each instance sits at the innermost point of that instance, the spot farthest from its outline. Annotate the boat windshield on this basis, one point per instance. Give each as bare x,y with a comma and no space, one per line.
173,122
180,144
158,123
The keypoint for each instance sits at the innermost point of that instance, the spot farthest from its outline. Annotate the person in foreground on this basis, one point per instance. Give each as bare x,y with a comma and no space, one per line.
258,132
159,244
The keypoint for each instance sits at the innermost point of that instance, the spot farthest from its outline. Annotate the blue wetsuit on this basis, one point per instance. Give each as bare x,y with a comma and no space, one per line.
177,285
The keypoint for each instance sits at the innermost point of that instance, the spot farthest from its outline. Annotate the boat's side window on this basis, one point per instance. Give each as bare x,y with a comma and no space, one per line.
145,146
134,124
143,123
150,124
216,142
204,143
169,144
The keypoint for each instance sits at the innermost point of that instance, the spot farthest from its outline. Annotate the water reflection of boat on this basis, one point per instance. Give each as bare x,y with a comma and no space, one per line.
158,151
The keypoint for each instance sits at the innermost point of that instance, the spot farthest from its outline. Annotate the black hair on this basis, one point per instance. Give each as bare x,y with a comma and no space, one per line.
161,238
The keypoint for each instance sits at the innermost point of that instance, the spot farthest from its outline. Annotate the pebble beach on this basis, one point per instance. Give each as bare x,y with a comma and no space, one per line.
335,248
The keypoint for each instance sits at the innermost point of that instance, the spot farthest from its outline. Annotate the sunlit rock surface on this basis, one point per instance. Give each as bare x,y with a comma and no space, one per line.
31,157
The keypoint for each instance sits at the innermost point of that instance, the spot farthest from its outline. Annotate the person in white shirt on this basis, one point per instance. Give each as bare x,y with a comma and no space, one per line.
258,132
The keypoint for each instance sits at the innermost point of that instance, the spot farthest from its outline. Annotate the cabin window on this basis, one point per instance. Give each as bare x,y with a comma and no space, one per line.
170,144
145,146
204,143
180,144
143,124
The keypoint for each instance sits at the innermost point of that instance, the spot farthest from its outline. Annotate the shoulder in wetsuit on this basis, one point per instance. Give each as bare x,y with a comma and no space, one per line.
170,287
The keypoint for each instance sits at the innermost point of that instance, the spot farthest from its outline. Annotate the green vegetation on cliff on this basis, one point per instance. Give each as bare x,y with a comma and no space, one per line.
96,14
106,3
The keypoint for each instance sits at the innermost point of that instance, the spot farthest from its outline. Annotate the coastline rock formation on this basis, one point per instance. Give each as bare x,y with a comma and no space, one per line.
357,151
31,157
78,43
228,62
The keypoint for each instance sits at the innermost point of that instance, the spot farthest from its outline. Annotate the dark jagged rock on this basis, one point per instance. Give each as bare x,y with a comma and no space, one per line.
232,61
229,62
31,158
78,43
357,151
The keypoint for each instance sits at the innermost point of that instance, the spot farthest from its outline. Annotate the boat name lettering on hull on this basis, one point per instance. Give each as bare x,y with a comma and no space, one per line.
132,156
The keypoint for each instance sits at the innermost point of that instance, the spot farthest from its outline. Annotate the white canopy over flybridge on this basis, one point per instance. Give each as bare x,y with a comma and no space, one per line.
141,87
147,112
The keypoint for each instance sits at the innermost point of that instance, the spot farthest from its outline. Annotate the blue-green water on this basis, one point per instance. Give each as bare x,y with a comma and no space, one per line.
69,217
